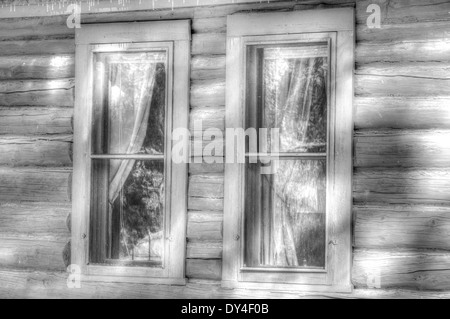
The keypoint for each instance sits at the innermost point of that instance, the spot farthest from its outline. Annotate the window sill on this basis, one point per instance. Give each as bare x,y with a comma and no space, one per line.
135,280
287,287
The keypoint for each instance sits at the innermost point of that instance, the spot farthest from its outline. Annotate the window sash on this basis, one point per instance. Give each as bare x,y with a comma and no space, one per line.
116,37
266,28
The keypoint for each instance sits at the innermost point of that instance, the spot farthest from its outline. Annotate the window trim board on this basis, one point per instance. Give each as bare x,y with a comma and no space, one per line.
174,270
243,29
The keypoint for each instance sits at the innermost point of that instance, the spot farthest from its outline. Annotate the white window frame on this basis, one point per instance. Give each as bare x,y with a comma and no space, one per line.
338,27
174,36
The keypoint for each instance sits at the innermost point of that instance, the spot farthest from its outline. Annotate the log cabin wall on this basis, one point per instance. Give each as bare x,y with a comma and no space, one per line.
401,174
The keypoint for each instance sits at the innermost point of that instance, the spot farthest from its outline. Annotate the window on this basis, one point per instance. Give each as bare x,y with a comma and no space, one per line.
129,198
289,228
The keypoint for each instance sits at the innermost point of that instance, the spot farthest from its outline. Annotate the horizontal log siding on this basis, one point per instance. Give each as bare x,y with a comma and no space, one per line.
401,180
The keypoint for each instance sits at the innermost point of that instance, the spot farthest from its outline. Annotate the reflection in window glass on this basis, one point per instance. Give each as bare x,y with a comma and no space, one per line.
130,98
286,228
285,213
295,98
127,216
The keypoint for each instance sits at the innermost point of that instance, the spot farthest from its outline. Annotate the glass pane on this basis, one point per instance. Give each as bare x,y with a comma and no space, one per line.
285,221
130,102
128,212
293,85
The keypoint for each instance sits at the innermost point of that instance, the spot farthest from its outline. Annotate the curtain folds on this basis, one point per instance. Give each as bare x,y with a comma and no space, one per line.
294,99
129,121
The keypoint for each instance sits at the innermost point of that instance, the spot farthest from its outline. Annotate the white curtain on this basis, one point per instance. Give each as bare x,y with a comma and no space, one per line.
131,93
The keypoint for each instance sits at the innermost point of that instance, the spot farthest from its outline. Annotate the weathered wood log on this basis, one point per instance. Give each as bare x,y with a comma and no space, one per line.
426,149
32,254
403,11
381,85
55,150
37,67
210,25
224,10
205,168
392,226
205,226
20,283
204,269
210,117
35,120
204,249
402,186
37,47
208,67
23,86
402,268
209,43
402,113
37,93
205,204
426,70
269,6
407,51
208,94
53,98
436,30
208,186
35,184
34,221
33,28
148,15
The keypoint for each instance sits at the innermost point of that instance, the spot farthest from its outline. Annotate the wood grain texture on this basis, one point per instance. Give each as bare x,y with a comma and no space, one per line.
35,120
398,85
205,204
403,51
402,186
33,28
208,94
208,67
207,226
31,254
210,117
56,93
216,168
438,70
37,47
36,150
404,148
207,186
35,184
436,30
209,43
204,269
204,250
401,226
37,67
405,11
402,268
210,25
402,112
20,283
34,221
